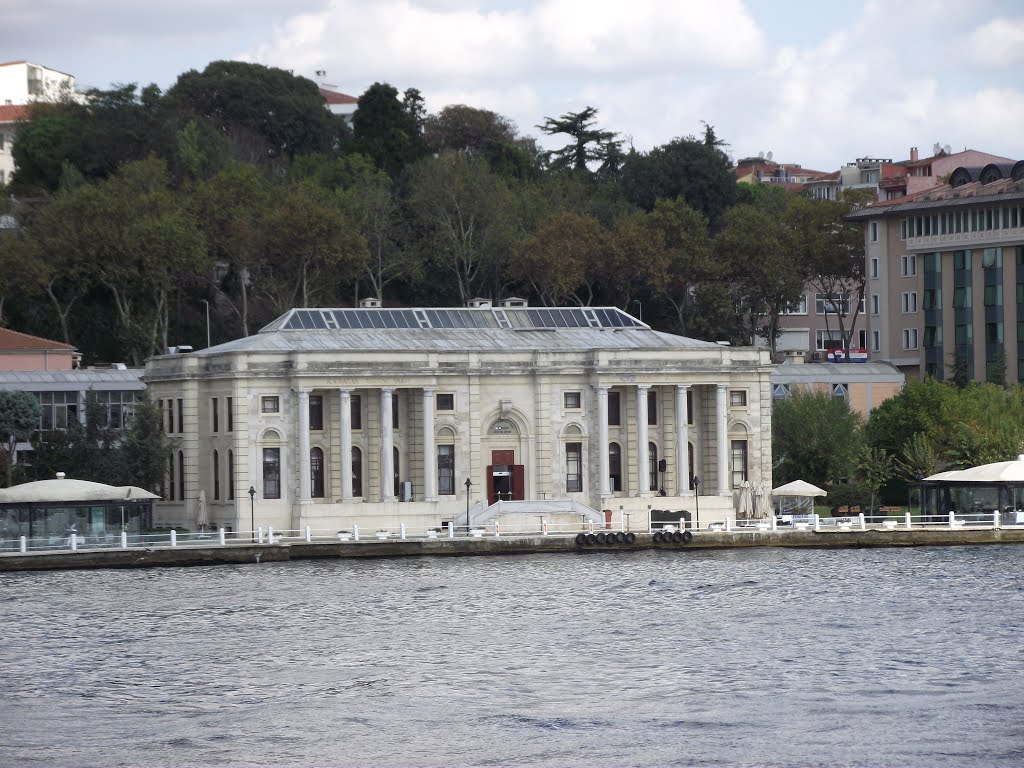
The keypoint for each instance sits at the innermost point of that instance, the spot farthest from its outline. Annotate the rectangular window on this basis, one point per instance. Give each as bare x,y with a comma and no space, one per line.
215,414
903,229
827,339
993,295
652,406
862,339
909,302
230,408
231,475
614,408
446,470
181,415
800,308
394,410
738,398
270,404
931,299
961,298
875,303
874,267
876,341
739,463
908,266
874,231
170,476
316,413
832,304
572,400
216,476
445,401
574,467
170,417
271,473
910,338
357,413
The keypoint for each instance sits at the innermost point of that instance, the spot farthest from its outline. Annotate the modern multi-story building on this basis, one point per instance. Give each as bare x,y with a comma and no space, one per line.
946,275
373,416
21,84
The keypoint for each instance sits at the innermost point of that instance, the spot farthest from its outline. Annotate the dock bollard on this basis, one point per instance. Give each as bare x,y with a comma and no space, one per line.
995,518
591,525
174,538
23,545
355,532
259,535
544,526
817,523
863,524
906,519
309,534
728,524
270,534
497,531
124,539
952,518
451,529
220,536
401,531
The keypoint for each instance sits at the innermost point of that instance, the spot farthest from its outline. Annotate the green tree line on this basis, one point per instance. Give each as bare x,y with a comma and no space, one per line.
237,191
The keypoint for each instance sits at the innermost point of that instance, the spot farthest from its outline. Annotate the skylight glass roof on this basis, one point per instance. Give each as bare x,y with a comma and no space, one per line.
518,318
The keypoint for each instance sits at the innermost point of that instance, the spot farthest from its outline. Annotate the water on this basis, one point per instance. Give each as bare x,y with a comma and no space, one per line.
744,658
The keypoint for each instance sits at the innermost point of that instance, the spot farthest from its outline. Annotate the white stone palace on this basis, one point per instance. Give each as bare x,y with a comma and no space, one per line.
376,417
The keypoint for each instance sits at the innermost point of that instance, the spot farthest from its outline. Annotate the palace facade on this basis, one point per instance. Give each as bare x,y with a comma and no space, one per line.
373,416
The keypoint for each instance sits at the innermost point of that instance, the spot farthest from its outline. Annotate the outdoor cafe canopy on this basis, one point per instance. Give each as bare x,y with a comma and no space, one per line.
797,495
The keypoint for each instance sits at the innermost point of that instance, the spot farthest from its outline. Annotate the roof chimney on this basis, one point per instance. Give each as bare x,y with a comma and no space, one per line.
913,154
60,475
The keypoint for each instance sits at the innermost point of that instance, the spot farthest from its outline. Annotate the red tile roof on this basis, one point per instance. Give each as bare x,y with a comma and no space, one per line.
10,113
337,97
14,341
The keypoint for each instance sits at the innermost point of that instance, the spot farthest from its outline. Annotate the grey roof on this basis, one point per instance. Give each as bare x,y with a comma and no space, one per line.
82,378
792,373
898,209
458,340
68,490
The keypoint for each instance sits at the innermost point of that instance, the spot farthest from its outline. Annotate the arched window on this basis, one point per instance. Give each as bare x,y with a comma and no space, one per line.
271,473
652,462
615,466
573,467
216,476
357,471
316,473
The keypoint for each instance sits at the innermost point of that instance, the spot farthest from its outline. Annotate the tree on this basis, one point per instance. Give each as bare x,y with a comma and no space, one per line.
145,446
387,130
918,409
557,260
961,367
19,419
467,129
699,173
758,259
815,437
636,262
587,145
684,234
878,467
995,371
465,217
232,209
262,112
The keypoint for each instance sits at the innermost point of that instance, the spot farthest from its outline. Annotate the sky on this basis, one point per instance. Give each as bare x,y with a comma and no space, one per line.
815,82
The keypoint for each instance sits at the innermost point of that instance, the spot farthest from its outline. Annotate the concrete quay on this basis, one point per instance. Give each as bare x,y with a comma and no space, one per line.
235,553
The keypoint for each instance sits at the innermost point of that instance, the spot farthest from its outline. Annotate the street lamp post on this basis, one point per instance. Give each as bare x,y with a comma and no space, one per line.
207,322
252,509
695,484
469,484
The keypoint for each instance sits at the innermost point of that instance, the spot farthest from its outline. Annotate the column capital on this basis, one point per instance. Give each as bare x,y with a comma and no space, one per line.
429,390
683,387
643,386
604,387
722,387
389,390
345,391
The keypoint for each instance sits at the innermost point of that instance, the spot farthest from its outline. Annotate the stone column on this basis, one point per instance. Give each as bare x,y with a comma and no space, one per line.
345,419
304,476
682,442
602,436
643,471
429,459
387,459
722,423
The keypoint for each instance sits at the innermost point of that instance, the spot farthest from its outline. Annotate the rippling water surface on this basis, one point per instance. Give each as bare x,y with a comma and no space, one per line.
745,658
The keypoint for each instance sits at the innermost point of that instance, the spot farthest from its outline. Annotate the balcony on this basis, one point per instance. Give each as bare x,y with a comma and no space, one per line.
958,240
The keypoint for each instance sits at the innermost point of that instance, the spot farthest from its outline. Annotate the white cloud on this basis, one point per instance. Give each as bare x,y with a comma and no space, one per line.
1000,43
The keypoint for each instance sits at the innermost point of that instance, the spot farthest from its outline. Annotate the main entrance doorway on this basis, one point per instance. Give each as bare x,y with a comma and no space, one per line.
505,478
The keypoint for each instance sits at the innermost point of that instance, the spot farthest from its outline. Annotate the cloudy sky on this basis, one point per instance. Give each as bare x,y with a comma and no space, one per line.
816,82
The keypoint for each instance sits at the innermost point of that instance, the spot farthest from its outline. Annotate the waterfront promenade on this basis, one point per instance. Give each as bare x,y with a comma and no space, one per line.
218,549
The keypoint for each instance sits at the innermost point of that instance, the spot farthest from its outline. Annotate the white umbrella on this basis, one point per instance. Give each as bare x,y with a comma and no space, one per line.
202,518
746,501
762,508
